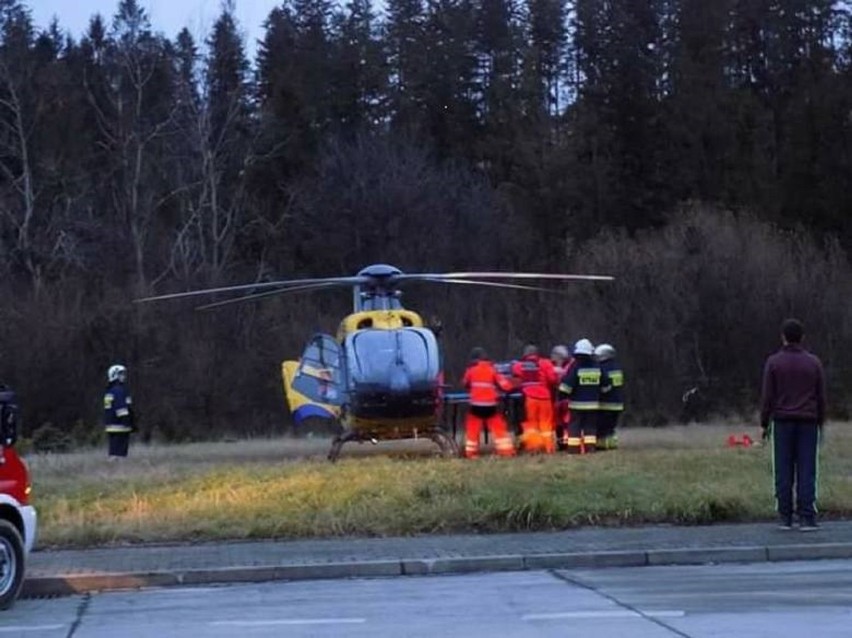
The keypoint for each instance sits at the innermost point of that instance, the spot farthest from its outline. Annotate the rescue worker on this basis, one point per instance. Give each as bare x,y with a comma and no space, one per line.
484,383
118,412
612,397
538,379
562,362
581,386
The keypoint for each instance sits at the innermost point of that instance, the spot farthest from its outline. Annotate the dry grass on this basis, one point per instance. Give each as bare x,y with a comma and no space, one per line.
284,488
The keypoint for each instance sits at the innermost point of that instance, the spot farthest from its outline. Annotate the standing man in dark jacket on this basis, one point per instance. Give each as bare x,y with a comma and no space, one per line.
793,405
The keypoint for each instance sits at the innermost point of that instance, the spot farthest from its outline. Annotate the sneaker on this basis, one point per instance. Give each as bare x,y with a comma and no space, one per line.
808,525
786,524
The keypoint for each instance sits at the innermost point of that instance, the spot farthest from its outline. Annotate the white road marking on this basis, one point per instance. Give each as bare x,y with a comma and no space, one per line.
613,613
23,628
173,591
288,621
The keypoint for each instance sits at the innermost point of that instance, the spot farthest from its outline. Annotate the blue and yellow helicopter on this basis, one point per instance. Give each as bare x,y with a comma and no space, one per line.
381,377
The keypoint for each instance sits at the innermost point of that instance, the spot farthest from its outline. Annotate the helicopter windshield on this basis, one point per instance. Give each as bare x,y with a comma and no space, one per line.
373,354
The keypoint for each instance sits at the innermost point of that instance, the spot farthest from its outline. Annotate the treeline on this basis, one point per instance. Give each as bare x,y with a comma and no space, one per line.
448,134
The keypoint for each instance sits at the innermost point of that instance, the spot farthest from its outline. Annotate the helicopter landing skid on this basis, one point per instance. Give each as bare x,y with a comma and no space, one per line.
445,442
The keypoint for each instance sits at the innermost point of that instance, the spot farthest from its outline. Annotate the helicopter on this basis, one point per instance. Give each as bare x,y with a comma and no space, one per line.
381,377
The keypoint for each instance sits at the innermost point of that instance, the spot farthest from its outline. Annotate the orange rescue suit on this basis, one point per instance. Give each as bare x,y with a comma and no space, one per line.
483,382
538,380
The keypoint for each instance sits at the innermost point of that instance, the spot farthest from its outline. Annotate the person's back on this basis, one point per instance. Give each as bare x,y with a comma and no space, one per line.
484,384
793,387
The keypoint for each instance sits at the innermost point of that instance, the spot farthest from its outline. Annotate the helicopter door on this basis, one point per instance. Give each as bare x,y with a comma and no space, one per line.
319,377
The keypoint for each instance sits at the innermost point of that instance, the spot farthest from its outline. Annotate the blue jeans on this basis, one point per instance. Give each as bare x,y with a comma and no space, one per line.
795,461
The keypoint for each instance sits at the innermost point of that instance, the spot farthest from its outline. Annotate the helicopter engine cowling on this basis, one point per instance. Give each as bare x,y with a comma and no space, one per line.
392,373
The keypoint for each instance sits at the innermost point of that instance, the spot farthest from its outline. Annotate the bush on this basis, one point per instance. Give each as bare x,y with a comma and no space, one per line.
48,438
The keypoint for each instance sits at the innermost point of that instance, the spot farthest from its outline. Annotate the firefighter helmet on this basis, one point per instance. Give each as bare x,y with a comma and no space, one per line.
116,372
604,352
584,346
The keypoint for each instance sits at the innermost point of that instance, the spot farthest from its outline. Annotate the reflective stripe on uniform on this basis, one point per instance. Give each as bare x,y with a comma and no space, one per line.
565,388
504,443
574,441
584,406
122,412
612,407
118,429
590,439
481,384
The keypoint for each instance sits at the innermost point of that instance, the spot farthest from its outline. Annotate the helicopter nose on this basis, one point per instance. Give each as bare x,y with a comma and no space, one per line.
399,381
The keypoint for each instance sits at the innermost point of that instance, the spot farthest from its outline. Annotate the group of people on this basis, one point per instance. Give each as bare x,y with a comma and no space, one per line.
572,401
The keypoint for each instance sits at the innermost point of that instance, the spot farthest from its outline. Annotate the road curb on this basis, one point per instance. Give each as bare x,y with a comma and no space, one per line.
70,584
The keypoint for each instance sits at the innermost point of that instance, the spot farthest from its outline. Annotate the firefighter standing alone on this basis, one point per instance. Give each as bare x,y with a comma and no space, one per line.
484,383
581,387
118,412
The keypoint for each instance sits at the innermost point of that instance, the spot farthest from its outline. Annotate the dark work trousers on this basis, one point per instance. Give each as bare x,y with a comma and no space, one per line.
607,422
119,442
582,427
794,459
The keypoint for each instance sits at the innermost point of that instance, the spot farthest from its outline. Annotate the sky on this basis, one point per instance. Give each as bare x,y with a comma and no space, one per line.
167,16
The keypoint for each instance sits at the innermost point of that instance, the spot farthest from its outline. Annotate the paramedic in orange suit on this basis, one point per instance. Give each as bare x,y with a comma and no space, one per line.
484,384
538,379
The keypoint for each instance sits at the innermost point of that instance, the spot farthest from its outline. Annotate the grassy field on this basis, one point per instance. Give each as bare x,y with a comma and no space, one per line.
282,488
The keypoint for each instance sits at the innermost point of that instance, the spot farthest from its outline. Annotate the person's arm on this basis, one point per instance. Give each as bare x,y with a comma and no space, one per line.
131,413
821,398
767,395
567,385
606,382
550,375
503,383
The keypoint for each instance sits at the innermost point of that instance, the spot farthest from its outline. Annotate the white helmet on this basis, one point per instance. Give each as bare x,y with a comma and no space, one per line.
584,346
604,352
116,372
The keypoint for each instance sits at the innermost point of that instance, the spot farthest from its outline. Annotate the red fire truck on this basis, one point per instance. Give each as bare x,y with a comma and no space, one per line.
17,516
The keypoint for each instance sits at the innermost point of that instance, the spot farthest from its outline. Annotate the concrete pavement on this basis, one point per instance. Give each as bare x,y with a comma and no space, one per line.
63,572
764,600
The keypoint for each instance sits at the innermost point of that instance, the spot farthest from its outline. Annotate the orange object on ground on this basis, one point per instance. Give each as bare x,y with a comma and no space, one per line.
743,441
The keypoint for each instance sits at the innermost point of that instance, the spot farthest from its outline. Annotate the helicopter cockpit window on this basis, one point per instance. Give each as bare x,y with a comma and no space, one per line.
374,301
319,373
373,354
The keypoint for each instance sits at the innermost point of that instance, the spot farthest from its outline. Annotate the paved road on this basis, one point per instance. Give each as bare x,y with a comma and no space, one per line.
746,601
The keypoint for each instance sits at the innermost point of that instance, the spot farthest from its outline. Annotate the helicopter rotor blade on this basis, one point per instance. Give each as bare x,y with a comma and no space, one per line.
284,284
494,284
270,293
507,275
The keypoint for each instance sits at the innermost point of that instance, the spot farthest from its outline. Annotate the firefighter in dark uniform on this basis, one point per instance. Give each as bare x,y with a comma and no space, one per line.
612,396
581,386
118,412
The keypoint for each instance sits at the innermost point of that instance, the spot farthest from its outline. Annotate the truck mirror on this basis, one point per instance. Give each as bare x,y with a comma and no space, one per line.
8,417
